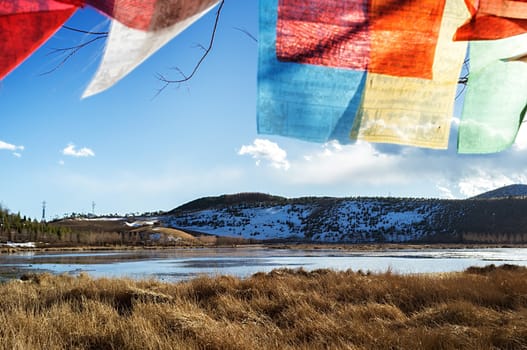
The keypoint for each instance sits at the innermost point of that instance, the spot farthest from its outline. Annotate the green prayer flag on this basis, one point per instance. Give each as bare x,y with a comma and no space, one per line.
496,96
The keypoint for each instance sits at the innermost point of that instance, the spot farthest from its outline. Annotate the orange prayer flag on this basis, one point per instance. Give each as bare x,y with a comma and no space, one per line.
404,36
378,36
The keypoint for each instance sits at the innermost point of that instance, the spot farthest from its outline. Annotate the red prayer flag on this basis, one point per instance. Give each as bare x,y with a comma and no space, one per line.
326,33
25,25
493,19
150,15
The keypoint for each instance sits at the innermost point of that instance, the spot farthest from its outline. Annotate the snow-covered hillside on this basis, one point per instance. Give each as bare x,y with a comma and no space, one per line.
322,220
372,220
263,222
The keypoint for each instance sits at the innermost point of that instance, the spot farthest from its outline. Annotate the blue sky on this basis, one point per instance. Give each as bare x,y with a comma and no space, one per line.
130,152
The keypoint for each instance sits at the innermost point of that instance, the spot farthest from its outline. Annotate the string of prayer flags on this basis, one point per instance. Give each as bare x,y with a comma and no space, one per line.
496,98
349,70
374,70
494,19
329,62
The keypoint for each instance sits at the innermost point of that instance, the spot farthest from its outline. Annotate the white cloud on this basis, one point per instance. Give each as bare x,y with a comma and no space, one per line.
374,168
83,152
478,183
13,148
61,162
333,163
445,191
521,139
262,149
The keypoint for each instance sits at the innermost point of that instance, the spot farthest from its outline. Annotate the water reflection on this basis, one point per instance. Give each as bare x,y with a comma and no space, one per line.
180,264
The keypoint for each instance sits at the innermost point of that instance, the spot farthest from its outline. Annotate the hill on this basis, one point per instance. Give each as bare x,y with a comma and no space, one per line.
505,192
497,219
248,198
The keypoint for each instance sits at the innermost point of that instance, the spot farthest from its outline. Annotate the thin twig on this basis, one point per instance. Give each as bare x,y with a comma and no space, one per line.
464,79
83,31
246,32
167,81
199,46
72,51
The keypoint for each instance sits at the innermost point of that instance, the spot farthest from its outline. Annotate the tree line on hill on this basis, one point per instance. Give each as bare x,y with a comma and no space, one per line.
14,227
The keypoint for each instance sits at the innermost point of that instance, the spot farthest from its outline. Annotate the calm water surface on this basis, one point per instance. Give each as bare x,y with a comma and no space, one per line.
181,264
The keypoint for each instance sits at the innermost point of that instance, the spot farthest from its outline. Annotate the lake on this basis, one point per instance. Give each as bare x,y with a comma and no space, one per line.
180,264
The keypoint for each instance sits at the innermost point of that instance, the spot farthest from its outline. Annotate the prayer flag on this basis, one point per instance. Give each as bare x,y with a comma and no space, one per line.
151,15
496,98
494,19
330,61
126,48
25,25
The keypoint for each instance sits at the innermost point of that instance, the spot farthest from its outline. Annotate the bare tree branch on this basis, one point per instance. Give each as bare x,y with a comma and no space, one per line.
185,78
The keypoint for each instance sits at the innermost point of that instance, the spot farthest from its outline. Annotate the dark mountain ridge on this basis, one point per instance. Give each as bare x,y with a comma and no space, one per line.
513,191
248,198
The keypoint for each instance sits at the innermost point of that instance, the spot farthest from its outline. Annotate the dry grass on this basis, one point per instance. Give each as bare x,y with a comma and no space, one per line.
285,309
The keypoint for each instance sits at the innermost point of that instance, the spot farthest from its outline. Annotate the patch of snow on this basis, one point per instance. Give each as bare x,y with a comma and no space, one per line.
20,245
140,223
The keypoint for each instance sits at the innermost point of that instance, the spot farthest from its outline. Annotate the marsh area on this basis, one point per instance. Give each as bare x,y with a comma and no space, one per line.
185,263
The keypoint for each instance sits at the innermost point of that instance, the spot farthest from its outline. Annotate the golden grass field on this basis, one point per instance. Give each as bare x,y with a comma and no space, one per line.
481,308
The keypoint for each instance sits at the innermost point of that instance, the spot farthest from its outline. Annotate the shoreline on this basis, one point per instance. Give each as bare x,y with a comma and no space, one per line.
278,246
105,254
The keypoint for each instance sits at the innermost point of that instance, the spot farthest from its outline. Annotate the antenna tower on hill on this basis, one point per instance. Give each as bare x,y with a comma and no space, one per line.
44,211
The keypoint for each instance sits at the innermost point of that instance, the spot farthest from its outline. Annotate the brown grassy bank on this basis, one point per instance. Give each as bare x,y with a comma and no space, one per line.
285,309
229,242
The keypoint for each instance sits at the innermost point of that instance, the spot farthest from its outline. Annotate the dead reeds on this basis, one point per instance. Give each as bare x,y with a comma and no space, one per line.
481,308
